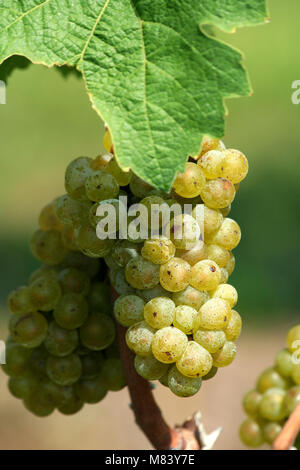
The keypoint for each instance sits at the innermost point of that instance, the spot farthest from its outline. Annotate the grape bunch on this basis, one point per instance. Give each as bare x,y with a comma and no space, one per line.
275,397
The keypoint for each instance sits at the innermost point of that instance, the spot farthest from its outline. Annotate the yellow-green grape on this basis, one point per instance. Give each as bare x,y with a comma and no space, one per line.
251,434
139,338
195,361
211,374
229,235
111,226
98,332
123,251
272,406
153,217
271,431
293,339
157,291
224,276
181,385
218,254
213,315
211,164
74,280
101,161
168,344
71,311
122,177
113,375
48,219
296,373
59,341
38,361
141,273
101,186
251,402
28,329
19,300
22,387
138,187
91,390
129,310
184,231
37,405
71,406
175,275
72,212
212,220
234,327
235,166
75,177
90,244
150,368
45,293
284,363
159,312
44,271
190,296
68,236
190,183
195,254
230,265
158,250
64,370
270,378
17,358
107,141
226,292
205,275
225,356
184,318
225,210
209,143
218,193
48,247
211,340
119,283
292,399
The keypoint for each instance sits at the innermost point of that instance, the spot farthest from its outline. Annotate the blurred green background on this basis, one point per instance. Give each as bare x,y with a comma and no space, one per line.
48,121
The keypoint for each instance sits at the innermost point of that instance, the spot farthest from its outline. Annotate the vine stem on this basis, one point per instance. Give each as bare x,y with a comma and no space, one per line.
290,430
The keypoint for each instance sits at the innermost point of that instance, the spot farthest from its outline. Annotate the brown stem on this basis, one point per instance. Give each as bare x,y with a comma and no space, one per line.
290,430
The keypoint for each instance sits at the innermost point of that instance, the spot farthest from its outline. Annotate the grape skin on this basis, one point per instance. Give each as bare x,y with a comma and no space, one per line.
195,361
159,312
212,163
139,338
158,250
271,406
59,341
251,402
184,317
19,300
64,370
213,315
251,433
71,311
29,330
225,356
142,274
98,332
175,275
218,193
129,310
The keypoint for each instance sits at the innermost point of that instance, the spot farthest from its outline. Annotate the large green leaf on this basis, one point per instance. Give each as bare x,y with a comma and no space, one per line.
151,72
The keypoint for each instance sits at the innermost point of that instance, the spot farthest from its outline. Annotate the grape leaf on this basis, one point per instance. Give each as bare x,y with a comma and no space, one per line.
151,72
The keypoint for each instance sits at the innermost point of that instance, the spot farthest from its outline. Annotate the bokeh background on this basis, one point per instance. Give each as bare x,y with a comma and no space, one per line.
48,121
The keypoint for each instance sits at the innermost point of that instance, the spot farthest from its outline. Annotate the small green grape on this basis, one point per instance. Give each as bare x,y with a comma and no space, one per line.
101,186
226,292
212,163
213,315
191,297
75,177
19,301
158,250
184,231
218,254
190,183
112,374
205,275
218,193
175,275
45,293
129,310
123,251
17,359
251,402
270,378
29,330
195,361
235,166
181,385
38,361
284,363
229,235
72,212
159,312
48,247
73,280
68,236
292,399
64,370
37,405
169,344
23,386
48,219
212,220
142,274
71,406
139,338
225,356
90,244
234,327
271,431
91,390
43,271
59,341
272,406
293,338
71,311
149,368
184,317
98,332
251,434
211,340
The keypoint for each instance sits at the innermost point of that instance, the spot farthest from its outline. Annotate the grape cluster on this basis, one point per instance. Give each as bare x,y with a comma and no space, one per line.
275,397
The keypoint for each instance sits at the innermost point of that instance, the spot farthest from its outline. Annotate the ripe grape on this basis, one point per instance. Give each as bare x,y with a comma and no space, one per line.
271,406
284,363
123,251
44,271
142,274
213,371
100,186
191,297
212,163
159,312
48,247
91,390
139,338
191,182
226,292
228,236
270,378
292,399
119,283
64,370
205,275
211,340
19,300
59,341
175,275
45,292
218,193
98,332
235,166
251,433
251,402
195,361
68,236
149,368
271,431
213,315
72,212
158,250
181,385
234,327
218,254
17,359
48,219
209,143
224,276
74,280
76,175
129,310
225,356
112,374
71,311
212,220
230,265
71,406
29,329
184,317
169,344
90,244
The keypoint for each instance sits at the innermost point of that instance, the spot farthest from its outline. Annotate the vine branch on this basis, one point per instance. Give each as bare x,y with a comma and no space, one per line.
290,430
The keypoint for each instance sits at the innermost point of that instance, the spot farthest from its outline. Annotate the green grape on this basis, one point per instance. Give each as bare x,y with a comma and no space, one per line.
226,210
71,406
156,291
175,275
138,187
48,219
209,143
159,312
211,219
52,393
99,298
229,235
195,254
251,434
293,338
191,297
91,390
235,166
83,263
90,244
71,311
37,405
59,341
22,386
224,276
271,406
164,378
38,361
251,402
17,359
218,254
296,373
123,251
181,385
139,338
29,330
205,275
73,280
292,399
122,177
44,271
195,361
213,315
284,363
112,374
48,247
211,340
45,293
107,142
213,371
226,292
184,317
184,231
75,177
98,332
149,368
169,344
19,300
100,186
142,274
211,164
271,431
68,236
270,378
225,356
218,193
119,283
234,327
72,212
158,250
190,183
64,370
129,310
91,364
